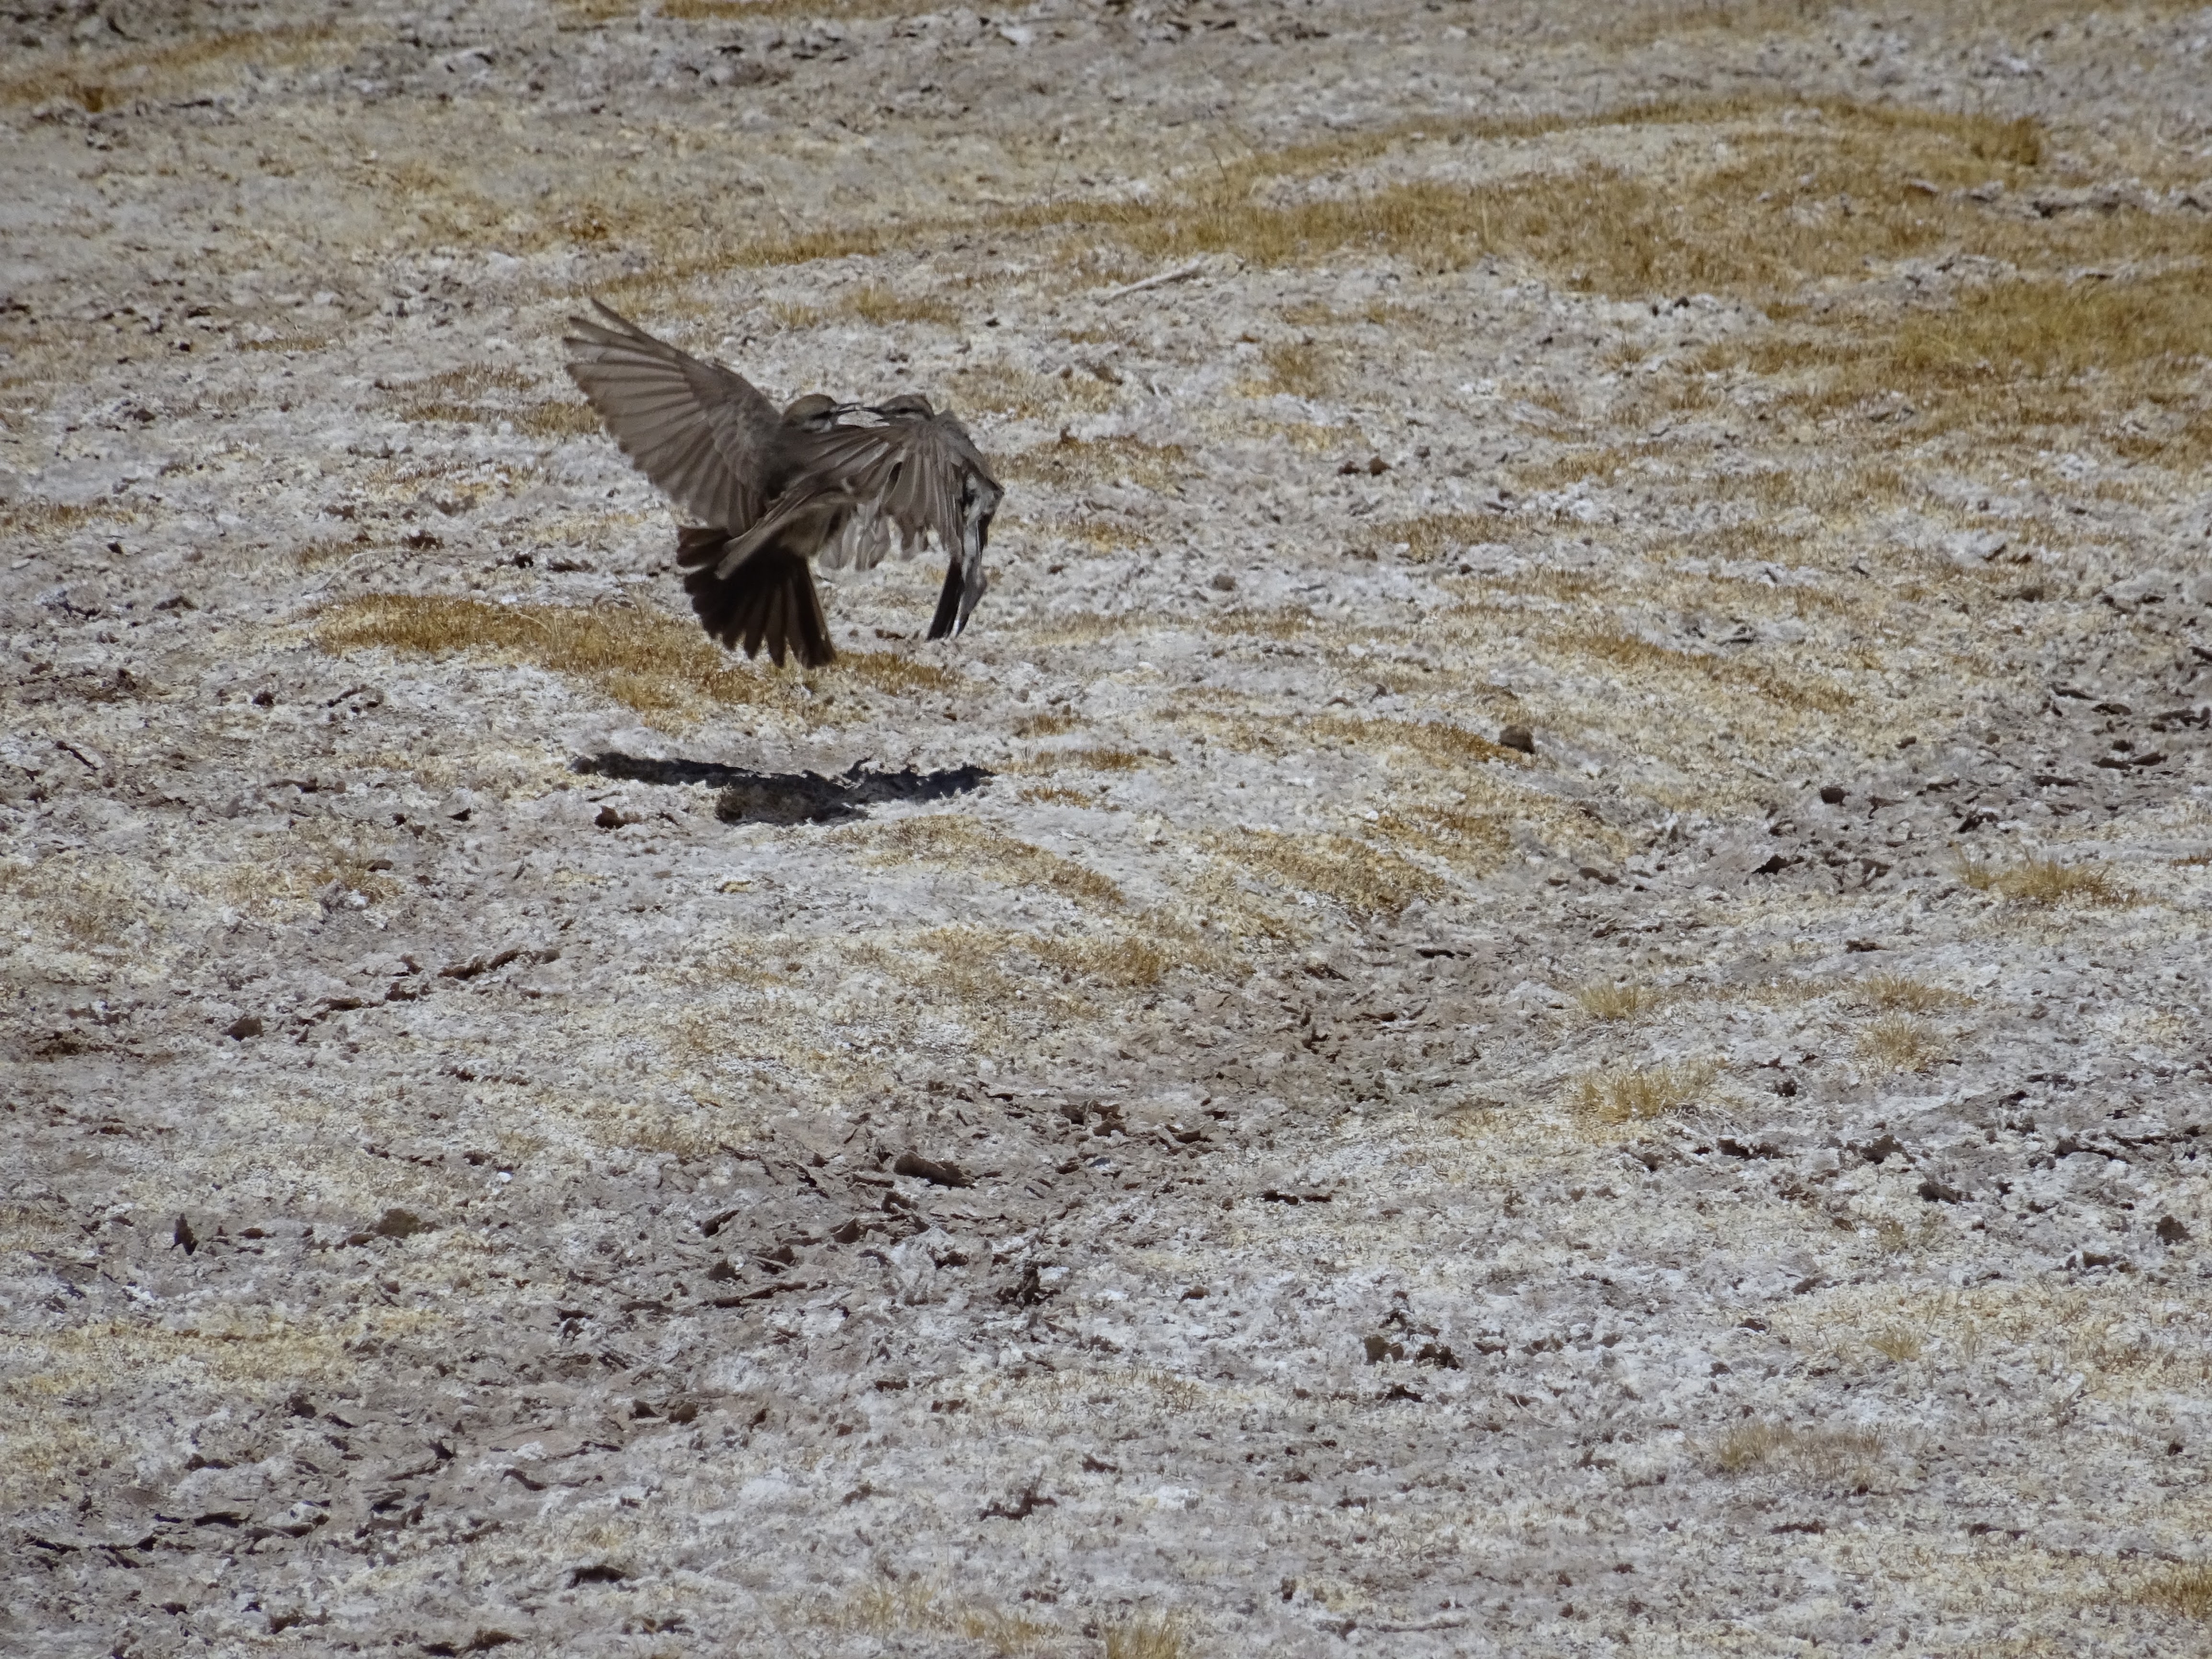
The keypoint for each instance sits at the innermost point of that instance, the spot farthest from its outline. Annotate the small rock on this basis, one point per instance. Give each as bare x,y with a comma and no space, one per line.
1832,793
1223,582
245,1025
1518,737
399,1224
2171,1231
929,1170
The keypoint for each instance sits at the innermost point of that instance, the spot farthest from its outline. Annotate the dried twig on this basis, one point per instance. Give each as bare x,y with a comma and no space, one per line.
1166,277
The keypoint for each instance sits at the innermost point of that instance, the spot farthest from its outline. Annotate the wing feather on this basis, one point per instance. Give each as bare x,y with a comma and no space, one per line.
905,479
703,433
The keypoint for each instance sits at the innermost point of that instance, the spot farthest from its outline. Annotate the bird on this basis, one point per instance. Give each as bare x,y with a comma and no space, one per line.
822,481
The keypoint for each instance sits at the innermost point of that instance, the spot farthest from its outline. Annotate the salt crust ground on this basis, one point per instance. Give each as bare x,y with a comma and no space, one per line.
1267,1168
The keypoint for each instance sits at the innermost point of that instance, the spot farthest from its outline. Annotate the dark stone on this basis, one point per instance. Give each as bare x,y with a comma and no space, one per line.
1518,737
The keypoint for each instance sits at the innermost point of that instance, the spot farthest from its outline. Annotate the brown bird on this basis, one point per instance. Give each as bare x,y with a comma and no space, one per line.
844,483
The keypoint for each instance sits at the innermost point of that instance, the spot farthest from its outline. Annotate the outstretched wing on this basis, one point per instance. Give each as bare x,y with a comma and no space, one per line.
875,483
704,435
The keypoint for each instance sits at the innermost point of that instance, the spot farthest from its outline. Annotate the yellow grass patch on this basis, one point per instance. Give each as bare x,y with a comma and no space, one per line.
1637,656
1898,1043
101,81
1432,740
2186,1590
1090,760
1072,461
1616,1002
647,660
1433,535
1847,1457
2046,881
1475,841
1121,960
898,675
913,1609
2033,352
1358,874
1147,1636
1896,993
1633,1094
875,303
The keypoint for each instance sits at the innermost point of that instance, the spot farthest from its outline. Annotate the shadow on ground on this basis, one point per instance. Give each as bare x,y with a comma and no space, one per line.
750,797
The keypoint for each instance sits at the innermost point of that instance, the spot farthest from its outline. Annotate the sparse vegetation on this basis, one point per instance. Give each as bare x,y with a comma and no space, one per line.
647,660
1634,1094
893,1610
1896,1042
2186,1590
1616,1002
1071,461
1050,724
1122,961
1897,992
2044,881
1901,1343
1358,875
1146,1636
875,303
1623,651
1848,1458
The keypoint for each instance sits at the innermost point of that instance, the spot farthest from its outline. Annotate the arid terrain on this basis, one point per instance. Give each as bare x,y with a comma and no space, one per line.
1536,984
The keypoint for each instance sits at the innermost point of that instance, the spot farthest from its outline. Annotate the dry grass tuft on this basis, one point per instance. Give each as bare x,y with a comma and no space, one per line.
1630,1094
101,81
645,659
1054,794
1468,839
2186,1590
1358,875
1434,535
556,418
1897,1043
1050,724
2046,881
1146,1637
898,675
1616,1002
1072,461
29,518
1300,368
2032,352
887,1610
1845,1457
879,305
1090,760
1896,993
1902,1343
1630,653
1123,960
1432,740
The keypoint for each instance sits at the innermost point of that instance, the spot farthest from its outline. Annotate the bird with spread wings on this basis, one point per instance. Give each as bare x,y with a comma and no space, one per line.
843,483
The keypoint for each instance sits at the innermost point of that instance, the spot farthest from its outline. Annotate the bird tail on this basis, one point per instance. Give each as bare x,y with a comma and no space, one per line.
768,598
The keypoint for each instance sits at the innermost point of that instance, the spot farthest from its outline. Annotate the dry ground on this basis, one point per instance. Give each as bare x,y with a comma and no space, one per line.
1203,1148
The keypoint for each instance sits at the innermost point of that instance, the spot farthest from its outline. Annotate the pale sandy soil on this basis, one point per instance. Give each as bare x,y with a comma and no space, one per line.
1228,1158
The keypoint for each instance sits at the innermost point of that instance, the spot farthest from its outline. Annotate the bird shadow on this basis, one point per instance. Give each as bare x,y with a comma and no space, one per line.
750,797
